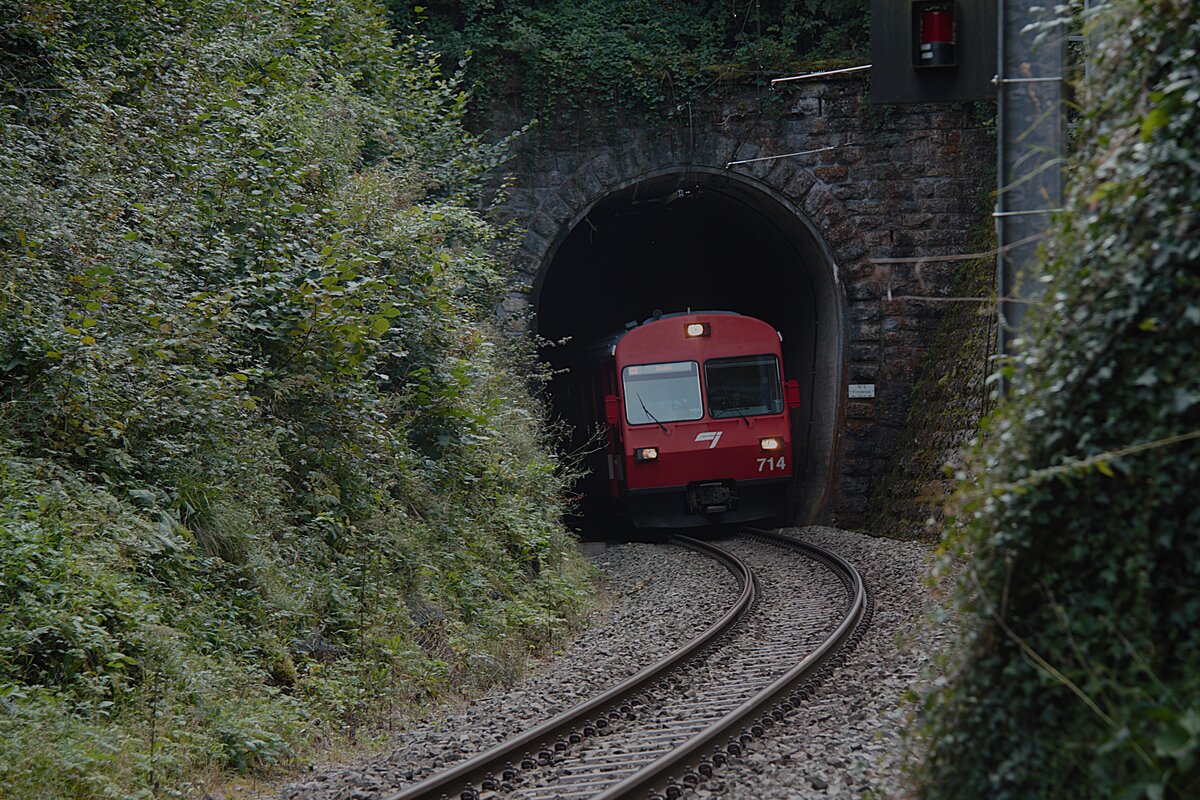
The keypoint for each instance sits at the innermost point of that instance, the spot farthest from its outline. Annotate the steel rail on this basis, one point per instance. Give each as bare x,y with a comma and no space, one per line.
470,773
689,756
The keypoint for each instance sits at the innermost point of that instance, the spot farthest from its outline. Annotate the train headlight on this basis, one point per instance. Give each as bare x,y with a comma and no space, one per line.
696,329
771,444
642,454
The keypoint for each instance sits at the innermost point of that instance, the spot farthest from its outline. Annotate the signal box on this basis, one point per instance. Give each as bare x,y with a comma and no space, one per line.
932,51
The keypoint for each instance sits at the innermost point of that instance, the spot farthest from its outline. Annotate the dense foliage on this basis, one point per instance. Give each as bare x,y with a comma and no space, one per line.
267,474
561,55
1081,676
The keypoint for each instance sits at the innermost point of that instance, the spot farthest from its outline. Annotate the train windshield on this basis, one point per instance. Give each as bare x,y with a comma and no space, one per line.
743,386
662,392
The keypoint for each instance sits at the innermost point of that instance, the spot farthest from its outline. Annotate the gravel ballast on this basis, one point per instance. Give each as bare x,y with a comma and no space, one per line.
849,740
846,743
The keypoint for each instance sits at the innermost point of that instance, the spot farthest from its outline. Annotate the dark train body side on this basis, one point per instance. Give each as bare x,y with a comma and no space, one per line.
696,417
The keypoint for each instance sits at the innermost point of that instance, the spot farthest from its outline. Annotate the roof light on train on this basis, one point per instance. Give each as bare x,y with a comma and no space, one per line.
771,443
642,454
696,329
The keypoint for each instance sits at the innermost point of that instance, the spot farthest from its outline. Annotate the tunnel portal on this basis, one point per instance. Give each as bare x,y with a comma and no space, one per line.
706,240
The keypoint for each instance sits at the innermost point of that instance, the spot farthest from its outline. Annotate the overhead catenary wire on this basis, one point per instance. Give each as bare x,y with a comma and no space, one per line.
960,256
787,155
822,74
969,299
997,80
1030,212
825,149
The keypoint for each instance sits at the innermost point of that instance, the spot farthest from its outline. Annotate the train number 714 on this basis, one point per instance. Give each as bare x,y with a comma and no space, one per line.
771,464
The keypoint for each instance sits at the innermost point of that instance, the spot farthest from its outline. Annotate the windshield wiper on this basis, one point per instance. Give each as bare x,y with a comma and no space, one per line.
730,412
651,416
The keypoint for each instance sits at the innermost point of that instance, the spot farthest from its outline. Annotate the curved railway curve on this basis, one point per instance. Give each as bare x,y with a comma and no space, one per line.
799,610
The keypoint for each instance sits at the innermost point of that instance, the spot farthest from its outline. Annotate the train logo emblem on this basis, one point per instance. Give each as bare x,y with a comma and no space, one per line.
709,436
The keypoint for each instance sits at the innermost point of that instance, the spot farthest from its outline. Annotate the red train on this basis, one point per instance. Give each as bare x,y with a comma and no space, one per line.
697,419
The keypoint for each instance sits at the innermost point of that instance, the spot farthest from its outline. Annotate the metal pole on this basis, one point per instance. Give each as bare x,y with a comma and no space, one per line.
1030,150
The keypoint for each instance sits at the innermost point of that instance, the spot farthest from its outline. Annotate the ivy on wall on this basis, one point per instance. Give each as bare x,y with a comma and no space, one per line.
949,397
561,56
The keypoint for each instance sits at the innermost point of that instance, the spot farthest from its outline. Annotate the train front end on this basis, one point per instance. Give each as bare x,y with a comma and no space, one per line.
701,422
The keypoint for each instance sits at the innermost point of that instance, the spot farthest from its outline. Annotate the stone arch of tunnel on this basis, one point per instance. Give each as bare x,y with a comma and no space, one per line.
707,239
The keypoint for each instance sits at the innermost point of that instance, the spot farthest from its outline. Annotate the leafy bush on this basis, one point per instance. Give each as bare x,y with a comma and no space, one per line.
268,473
1081,671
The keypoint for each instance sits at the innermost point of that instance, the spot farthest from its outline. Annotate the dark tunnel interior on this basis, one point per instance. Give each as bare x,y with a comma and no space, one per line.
696,246
701,242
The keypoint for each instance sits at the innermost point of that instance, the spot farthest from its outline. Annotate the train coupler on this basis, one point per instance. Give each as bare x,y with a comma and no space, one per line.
714,497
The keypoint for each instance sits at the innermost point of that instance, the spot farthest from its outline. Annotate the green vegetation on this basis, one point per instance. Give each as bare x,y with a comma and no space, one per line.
268,476
559,56
1081,671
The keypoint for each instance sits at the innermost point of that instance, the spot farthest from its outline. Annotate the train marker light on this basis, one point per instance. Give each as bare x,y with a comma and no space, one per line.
697,329
643,454
771,443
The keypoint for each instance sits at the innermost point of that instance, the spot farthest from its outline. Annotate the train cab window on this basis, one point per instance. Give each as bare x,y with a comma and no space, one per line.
657,393
743,386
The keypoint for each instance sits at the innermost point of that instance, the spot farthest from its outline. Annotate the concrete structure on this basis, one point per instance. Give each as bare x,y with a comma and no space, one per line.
625,216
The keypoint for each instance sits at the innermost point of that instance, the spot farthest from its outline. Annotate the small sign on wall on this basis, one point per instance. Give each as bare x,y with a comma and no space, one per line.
862,391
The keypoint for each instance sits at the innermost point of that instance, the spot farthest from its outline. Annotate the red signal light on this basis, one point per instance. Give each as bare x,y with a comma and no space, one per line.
937,36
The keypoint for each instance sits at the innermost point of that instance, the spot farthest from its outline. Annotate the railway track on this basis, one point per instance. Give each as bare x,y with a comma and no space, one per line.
673,724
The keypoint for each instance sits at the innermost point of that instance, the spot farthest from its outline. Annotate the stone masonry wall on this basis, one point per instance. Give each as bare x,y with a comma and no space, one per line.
901,181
